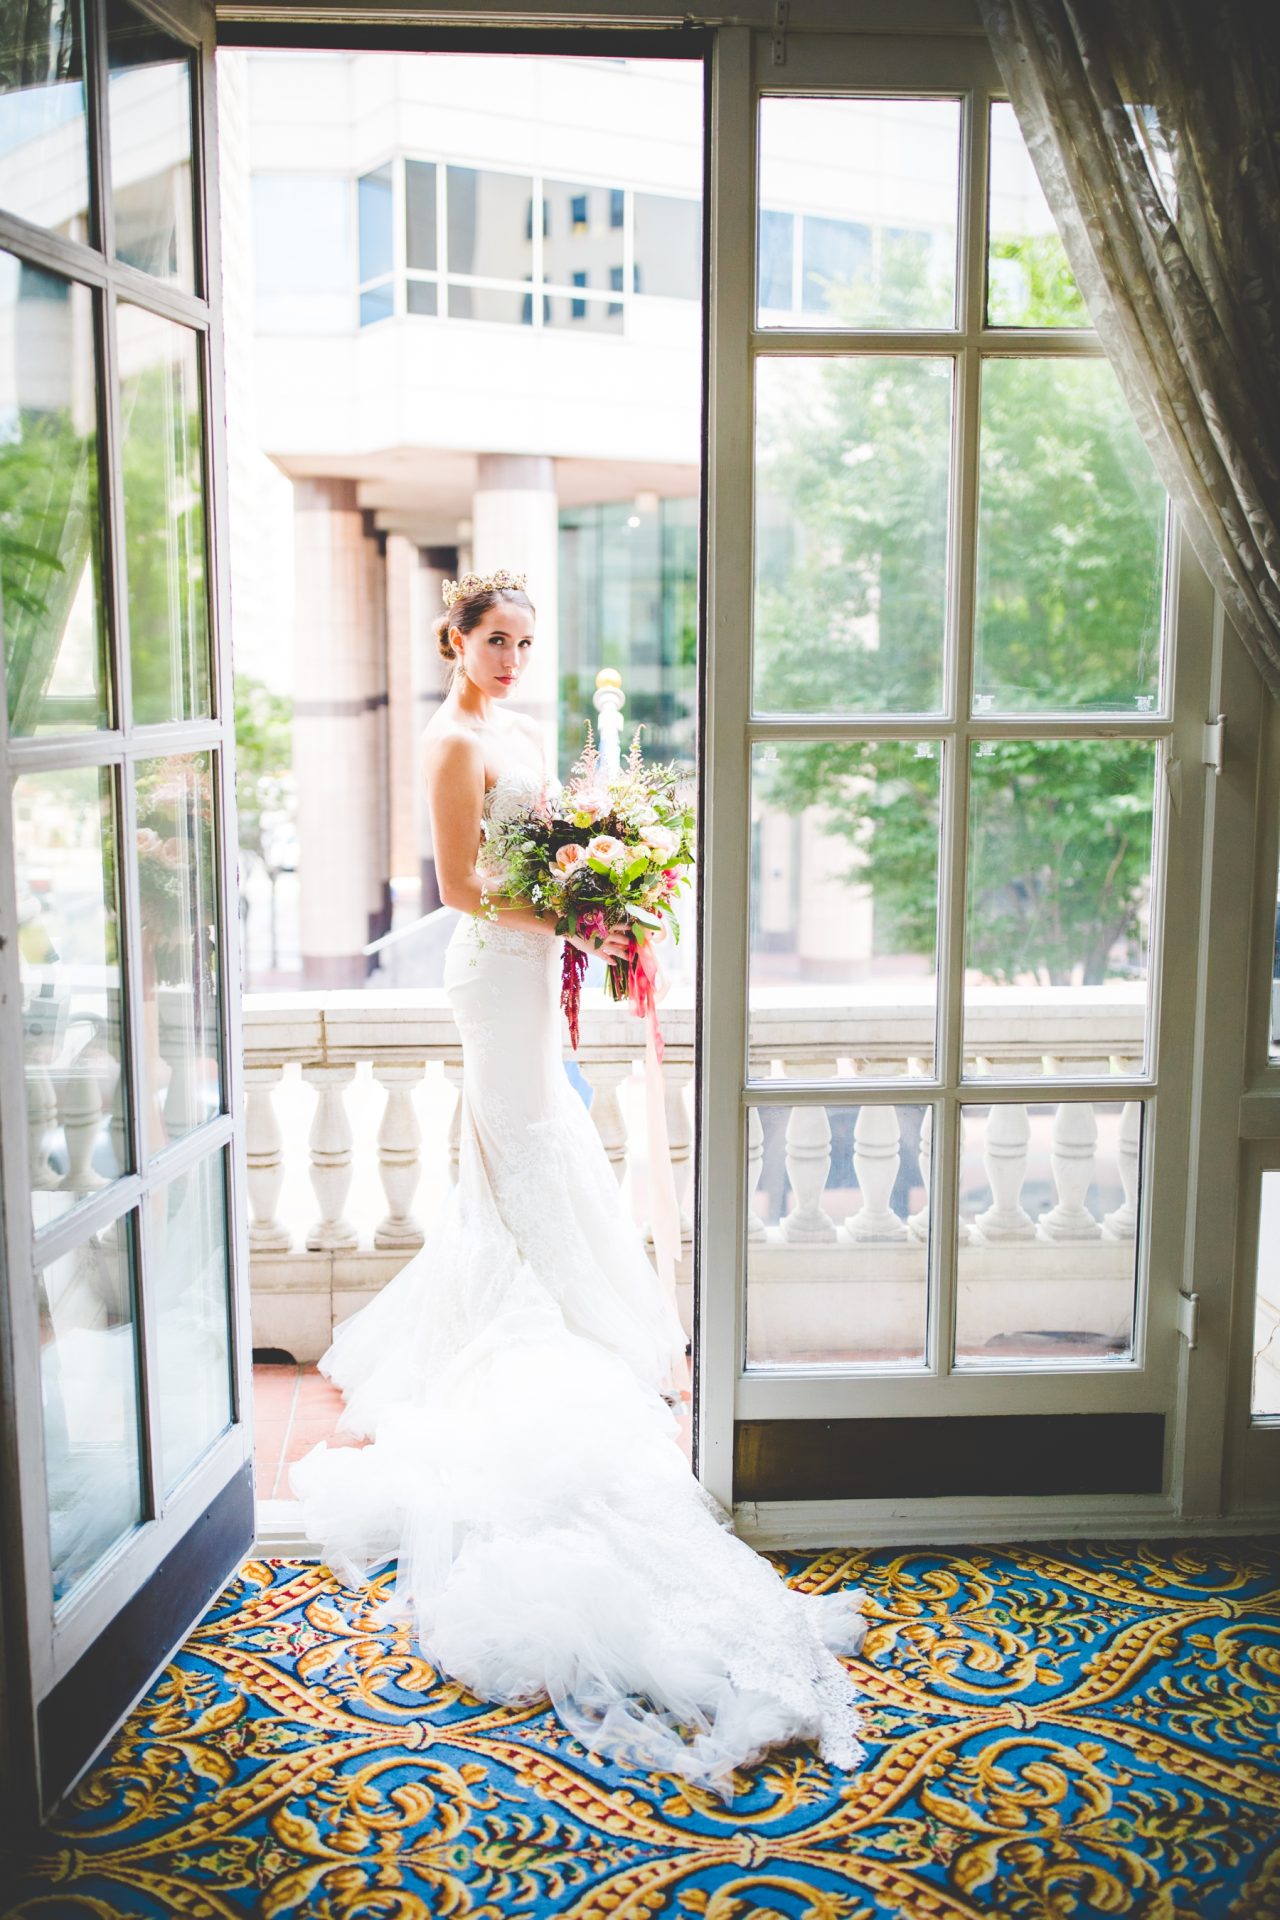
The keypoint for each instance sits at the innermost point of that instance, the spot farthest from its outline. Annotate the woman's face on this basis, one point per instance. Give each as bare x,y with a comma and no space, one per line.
496,651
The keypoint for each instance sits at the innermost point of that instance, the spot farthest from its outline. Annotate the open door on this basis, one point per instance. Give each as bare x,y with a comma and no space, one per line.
127,1481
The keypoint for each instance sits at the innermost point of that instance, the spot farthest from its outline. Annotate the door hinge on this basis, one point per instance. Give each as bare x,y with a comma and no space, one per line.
781,21
1189,1318
1215,733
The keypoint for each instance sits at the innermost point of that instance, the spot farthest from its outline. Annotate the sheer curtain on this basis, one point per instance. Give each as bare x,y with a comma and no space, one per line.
1154,126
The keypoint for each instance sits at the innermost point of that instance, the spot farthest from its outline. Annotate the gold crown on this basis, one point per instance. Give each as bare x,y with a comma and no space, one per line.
481,583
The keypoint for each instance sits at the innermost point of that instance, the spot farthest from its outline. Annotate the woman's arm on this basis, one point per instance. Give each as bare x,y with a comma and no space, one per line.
455,795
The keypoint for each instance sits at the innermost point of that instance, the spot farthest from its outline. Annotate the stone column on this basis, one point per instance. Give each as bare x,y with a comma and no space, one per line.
515,523
430,682
402,719
339,705
376,728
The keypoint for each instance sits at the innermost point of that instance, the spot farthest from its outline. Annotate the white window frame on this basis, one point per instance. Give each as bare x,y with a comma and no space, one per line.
1158,1379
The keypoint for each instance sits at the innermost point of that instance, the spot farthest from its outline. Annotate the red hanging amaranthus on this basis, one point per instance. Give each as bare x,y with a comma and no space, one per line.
572,968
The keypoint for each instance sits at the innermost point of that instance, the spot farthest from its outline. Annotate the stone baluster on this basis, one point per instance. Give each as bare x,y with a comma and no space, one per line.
1004,1155
1122,1222
918,1223
177,1033
755,1167
452,1066
42,1118
676,1076
264,1160
808,1163
1072,1153
330,1142
605,1077
399,1153
80,1113
877,1155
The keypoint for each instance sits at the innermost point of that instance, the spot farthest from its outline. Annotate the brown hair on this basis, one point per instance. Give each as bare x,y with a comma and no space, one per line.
467,613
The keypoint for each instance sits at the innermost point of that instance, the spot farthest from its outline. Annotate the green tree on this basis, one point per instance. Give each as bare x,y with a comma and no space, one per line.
264,789
851,578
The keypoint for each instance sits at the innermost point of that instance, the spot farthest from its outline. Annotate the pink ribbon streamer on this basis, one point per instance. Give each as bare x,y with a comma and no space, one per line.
647,985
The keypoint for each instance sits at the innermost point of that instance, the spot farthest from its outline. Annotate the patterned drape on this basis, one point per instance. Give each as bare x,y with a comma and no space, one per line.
1154,126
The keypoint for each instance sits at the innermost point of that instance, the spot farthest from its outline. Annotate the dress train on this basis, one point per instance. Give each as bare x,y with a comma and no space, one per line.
524,1468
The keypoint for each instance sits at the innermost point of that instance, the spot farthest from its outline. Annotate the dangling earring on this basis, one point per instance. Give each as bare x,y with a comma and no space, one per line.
461,660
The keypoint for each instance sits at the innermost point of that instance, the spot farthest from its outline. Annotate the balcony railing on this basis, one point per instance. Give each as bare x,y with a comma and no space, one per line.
346,1087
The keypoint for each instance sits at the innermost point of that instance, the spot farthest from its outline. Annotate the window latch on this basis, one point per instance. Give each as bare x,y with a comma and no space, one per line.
781,21
1189,1318
1215,732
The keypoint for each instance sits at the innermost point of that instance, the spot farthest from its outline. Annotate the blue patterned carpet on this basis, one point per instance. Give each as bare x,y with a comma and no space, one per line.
1067,1730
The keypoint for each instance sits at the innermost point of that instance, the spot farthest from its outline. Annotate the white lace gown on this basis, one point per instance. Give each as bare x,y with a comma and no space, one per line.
524,1467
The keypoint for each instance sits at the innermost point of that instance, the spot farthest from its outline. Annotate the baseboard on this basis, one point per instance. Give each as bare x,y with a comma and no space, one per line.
919,1523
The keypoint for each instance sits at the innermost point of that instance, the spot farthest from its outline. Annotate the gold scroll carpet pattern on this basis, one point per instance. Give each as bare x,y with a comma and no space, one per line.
1075,1730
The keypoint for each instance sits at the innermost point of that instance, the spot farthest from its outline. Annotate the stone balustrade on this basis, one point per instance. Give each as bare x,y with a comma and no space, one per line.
820,1283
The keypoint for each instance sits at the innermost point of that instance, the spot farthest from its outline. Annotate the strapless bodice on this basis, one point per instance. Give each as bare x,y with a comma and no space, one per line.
514,791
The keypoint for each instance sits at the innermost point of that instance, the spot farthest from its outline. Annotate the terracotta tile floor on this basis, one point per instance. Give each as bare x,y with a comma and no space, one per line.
293,1408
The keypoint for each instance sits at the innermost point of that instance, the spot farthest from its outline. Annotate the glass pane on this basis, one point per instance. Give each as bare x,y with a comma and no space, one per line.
668,246
874,186
44,160
163,461
1048,1233
420,213
585,316
69,962
490,303
1029,283
377,303
489,226
187,1273
1266,1336
89,1391
1071,544
1274,1048
1058,905
50,531
851,534
578,235
149,106
837,1235
180,945
423,296
844,908
373,208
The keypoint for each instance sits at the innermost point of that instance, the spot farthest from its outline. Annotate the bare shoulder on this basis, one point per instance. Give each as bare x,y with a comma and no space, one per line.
449,748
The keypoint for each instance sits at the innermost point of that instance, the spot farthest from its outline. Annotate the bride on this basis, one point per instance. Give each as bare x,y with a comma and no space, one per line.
518,1379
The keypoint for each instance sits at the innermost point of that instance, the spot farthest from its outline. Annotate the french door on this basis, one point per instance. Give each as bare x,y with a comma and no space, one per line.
955,765
128,1488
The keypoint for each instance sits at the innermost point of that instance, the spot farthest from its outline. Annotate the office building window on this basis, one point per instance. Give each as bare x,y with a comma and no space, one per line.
376,247
487,224
420,214
470,247
629,599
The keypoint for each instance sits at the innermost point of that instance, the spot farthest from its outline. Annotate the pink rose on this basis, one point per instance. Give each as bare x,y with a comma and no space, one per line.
567,858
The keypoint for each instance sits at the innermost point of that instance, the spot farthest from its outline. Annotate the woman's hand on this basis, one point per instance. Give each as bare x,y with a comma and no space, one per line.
613,944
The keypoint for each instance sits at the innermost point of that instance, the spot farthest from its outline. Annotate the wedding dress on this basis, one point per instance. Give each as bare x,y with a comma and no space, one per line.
524,1467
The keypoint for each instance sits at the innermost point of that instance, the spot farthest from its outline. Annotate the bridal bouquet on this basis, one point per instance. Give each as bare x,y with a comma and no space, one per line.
600,854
